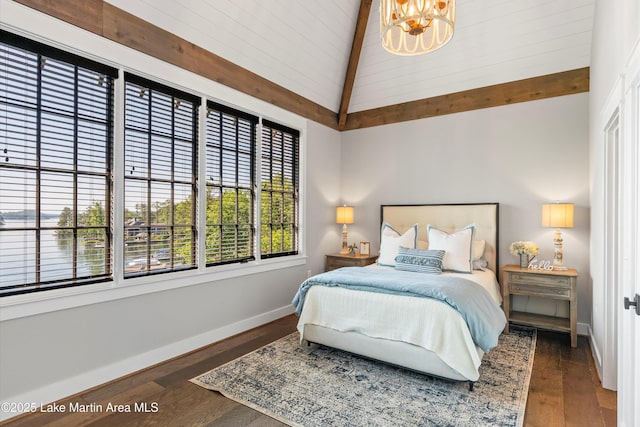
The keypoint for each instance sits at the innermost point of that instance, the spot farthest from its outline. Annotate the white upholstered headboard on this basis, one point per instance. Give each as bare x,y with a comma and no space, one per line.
449,218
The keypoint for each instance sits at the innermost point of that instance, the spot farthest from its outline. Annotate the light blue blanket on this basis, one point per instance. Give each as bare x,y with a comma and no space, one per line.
484,317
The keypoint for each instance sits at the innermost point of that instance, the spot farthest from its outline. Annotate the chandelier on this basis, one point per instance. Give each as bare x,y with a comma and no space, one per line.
413,27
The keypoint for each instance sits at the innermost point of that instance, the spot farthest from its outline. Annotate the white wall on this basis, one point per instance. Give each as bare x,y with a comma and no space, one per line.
521,156
57,343
615,31
324,236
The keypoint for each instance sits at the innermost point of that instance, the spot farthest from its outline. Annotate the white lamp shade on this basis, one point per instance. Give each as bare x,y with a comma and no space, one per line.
344,215
557,215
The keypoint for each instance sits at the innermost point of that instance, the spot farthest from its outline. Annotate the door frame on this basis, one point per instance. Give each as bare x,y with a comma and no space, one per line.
611,139
629,285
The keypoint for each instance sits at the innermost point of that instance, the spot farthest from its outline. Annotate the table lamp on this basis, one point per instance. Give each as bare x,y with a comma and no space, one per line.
557,215
344,216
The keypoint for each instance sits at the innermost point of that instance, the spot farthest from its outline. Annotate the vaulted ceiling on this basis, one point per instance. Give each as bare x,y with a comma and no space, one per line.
302,49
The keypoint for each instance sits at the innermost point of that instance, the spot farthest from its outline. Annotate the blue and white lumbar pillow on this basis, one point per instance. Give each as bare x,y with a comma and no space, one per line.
419,260
391,240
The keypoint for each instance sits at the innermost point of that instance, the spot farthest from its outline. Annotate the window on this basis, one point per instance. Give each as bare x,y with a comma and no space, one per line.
160,178
230,166
279,190
56,137
57,173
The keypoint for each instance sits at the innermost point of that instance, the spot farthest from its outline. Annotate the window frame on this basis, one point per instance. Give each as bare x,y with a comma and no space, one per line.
81,67
268,129
148,179
222,185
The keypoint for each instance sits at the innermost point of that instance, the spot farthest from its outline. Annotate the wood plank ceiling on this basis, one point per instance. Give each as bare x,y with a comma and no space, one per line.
323,59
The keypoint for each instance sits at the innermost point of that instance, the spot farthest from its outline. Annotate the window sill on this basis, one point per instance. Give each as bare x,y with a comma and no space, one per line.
18,306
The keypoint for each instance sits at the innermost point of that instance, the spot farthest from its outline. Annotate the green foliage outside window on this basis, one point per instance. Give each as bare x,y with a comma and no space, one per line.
229,225
278,216
225,240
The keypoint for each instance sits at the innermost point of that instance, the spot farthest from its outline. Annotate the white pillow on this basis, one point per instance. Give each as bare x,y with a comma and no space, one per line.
478,249
457,247
391,240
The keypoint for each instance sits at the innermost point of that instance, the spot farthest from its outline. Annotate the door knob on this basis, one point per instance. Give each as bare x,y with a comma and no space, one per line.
633,303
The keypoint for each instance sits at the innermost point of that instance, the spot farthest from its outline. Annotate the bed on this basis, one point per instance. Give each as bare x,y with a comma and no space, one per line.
403,324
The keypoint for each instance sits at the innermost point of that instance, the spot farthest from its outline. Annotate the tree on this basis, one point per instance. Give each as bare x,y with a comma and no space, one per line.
229,224
277,214
65,220
93,216
183,238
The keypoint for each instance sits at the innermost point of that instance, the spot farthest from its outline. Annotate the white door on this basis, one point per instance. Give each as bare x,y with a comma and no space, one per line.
629,285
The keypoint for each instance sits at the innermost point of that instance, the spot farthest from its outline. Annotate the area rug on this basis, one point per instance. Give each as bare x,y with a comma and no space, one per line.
321,386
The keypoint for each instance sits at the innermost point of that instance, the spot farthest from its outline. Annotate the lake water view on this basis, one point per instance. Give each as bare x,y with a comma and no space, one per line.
18,254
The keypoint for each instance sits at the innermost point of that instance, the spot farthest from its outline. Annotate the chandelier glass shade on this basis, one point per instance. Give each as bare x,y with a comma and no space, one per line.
414,27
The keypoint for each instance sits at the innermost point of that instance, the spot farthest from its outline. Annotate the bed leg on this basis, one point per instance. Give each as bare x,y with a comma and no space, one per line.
471,385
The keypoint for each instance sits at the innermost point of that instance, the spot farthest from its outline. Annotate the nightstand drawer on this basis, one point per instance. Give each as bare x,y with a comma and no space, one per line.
540,279
337,261
540,290
345,262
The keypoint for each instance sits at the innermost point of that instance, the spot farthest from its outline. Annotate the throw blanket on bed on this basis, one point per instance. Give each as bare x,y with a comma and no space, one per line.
484,318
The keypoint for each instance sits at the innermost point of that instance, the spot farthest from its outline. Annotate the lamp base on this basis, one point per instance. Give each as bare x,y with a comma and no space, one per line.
345,249
558,257
345,245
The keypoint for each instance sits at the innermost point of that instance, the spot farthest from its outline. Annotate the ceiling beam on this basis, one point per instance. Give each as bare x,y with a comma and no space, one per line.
535,88
103,19
354,58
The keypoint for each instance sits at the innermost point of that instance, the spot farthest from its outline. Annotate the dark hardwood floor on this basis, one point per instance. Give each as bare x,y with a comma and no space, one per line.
564,389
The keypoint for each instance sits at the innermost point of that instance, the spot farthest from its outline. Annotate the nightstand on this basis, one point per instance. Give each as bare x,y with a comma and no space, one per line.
554,284
336,261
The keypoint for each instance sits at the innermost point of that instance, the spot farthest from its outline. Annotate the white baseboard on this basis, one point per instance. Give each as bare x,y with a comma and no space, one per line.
584,329
597,355
86,380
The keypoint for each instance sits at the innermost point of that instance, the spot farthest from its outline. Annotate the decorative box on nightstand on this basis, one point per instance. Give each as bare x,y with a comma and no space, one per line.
336,261
554,284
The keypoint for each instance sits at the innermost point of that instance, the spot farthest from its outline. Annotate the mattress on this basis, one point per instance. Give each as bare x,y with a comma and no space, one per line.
423,322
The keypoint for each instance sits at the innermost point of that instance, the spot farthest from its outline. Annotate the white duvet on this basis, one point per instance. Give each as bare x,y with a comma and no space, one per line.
424,322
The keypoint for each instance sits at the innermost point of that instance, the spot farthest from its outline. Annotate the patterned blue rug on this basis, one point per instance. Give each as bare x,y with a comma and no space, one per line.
320,386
